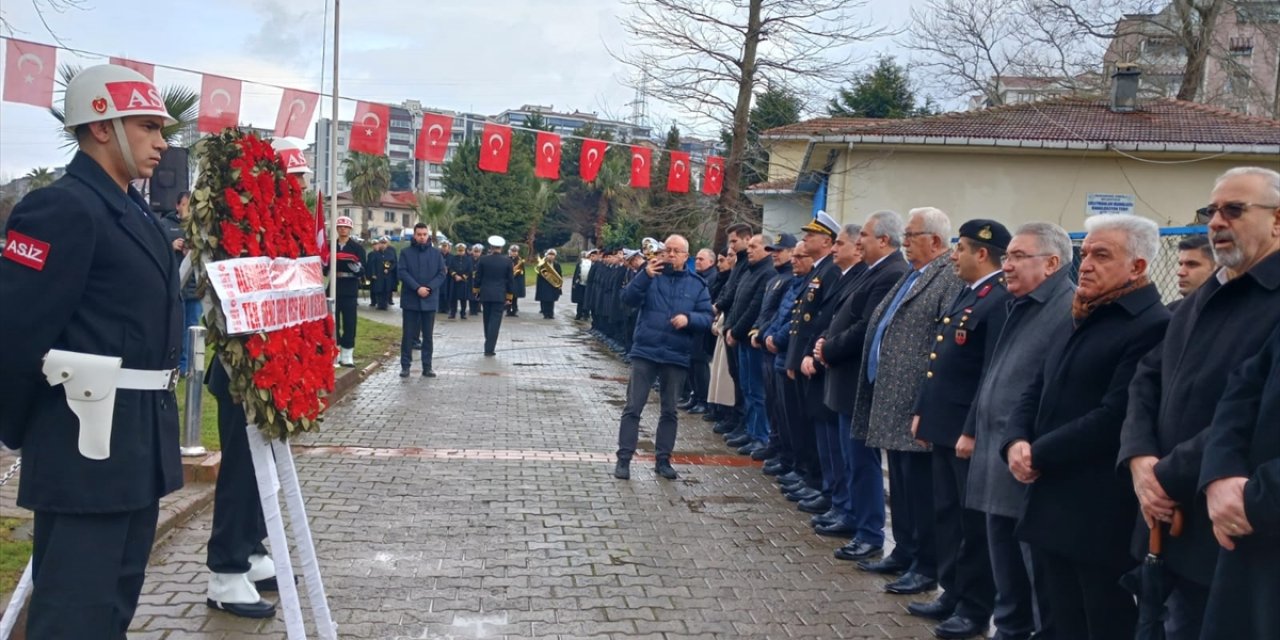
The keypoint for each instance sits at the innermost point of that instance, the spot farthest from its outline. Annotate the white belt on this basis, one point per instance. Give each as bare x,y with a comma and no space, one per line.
147,380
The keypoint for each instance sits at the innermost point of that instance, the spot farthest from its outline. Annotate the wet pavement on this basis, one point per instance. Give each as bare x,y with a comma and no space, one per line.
481,504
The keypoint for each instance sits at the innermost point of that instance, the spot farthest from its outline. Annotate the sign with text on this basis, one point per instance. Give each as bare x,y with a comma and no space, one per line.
267,294
1100,203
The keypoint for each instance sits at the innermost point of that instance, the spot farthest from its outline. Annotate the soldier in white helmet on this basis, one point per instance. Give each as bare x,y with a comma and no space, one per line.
88,383
350,261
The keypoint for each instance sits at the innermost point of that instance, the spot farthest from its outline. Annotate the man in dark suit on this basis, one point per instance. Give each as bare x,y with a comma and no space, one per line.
421,270
1065,432
847,256
806,482
88,271
840,349
1176,388
968,330
738,323
494,280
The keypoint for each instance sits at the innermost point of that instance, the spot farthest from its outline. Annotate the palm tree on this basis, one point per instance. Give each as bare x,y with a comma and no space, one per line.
441,212
39,177
181,102
611,185
369,176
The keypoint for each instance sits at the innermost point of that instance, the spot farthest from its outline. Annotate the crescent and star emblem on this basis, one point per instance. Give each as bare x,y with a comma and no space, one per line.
435,132
213,101
592,156
549,149
39,66
496,142
679,167
364,121
296,108
635,157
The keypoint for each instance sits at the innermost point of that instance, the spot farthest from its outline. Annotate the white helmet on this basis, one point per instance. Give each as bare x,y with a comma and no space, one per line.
111,92
343,221
290,152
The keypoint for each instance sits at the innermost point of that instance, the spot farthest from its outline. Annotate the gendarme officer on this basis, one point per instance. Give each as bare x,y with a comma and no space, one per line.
100,448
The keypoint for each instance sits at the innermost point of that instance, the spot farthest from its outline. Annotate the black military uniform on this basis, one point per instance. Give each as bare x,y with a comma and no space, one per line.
89,270
382,269
967,334
804,330
460,267
547,294
350,260
494,280
518,285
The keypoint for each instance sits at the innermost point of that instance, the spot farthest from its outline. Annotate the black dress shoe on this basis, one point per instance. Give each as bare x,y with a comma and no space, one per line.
957,627
749,448
774,469
684,404
939,609
858,551
696,409
819,504
622,470
790,477
911,583
428,374
831,515
259,609
840,529
270,584
738,441
801,495
664,469
404,373
721,427
889,566
712,417
764,453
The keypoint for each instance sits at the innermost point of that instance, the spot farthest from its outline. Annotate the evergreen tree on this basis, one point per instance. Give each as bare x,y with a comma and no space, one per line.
882,92
492,203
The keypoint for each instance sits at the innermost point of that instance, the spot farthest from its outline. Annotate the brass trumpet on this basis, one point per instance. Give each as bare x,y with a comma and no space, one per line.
651,247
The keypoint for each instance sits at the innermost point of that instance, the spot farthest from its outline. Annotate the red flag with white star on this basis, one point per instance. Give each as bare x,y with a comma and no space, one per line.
713,177
296,109
592,158
433,140
219,104
495,148
28,72
548,156
145,68
678,176
640,159
369,129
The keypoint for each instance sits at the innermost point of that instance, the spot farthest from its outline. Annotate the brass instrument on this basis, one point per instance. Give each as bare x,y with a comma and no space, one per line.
518,268
651,247
548,273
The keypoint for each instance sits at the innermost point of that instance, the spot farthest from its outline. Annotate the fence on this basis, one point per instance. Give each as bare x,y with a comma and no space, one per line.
1164,273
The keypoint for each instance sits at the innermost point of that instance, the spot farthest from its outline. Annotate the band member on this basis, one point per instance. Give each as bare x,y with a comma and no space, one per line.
473,298
350,261
550,282
494,277
518,285
382,269
461,265
93,477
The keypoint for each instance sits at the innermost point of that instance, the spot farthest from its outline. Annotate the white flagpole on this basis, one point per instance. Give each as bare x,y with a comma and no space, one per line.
333,177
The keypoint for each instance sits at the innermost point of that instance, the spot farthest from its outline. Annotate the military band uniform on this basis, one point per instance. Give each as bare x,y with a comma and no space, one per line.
547,294
117,294
518,286
461,266
494,280
382,269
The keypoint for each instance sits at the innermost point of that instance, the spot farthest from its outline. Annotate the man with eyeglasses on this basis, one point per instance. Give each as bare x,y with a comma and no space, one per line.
674,310
1177,387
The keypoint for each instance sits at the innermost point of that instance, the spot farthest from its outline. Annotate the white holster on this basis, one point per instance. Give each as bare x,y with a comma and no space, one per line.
90,383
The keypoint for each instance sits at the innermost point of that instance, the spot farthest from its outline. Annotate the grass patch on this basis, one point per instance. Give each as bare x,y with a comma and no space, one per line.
13,554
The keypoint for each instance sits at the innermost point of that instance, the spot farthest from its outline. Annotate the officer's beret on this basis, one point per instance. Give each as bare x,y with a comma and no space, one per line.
987,232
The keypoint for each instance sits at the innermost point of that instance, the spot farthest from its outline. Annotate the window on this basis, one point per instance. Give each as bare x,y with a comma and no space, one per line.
368,216
342,140
388,216
1238,82
405,220
1240,46
346,212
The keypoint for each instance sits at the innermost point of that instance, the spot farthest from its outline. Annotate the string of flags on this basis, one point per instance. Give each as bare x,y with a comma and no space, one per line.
30,68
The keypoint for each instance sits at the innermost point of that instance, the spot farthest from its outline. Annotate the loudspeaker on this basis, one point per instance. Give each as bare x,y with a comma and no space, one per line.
169,180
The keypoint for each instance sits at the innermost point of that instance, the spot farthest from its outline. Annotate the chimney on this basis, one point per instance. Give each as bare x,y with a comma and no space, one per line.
1124,87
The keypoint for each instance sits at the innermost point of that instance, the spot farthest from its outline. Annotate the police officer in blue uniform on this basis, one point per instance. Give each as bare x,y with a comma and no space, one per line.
966,335
95,286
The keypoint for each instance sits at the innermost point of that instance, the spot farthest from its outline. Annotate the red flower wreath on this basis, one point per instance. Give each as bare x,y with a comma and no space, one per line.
246,205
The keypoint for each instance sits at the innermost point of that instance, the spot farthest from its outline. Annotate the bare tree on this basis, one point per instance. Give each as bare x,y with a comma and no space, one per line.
708,56
42,7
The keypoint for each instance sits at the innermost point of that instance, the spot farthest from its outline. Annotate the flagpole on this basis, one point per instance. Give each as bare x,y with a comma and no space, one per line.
333,177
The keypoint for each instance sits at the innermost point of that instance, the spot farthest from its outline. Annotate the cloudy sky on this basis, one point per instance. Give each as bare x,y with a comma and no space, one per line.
481,55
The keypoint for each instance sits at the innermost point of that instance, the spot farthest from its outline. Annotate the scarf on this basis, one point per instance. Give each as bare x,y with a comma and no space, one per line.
1082,308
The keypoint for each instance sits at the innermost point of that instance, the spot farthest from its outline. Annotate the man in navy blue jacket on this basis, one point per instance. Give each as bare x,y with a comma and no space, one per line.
673,312
422,271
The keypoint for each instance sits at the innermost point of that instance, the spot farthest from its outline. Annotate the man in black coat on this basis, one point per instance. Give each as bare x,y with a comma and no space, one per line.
1065,432
421,270
778,449
382,269
847,257
840,350
547,293
494,280
700,360
1241,479
1178,385
731,418
968,332
461,269
87,270
739,321
806,482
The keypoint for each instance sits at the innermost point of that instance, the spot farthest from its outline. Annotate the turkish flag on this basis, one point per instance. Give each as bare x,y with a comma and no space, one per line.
145,68
28,73
678,176
433,140
219,104
548,156
296,109
495,148
592,158
713,177
640,159
369,129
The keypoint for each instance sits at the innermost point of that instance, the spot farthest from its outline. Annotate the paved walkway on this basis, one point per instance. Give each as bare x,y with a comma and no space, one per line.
480,504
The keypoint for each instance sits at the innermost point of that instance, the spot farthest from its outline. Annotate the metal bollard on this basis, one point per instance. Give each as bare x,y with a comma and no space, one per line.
195,391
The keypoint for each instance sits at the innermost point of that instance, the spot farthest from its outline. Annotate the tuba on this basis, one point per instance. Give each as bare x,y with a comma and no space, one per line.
548,273
650,248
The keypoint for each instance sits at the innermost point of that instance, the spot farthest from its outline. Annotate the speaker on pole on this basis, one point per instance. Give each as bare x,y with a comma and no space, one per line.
169,180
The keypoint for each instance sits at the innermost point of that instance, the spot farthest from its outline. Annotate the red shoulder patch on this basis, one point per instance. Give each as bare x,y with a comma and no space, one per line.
26,251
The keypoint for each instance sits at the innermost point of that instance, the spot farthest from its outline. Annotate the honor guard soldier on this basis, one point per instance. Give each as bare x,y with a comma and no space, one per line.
494,278
966,335
89,372
350,261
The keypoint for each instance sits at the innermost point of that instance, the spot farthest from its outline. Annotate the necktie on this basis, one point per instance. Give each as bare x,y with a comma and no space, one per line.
873,362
